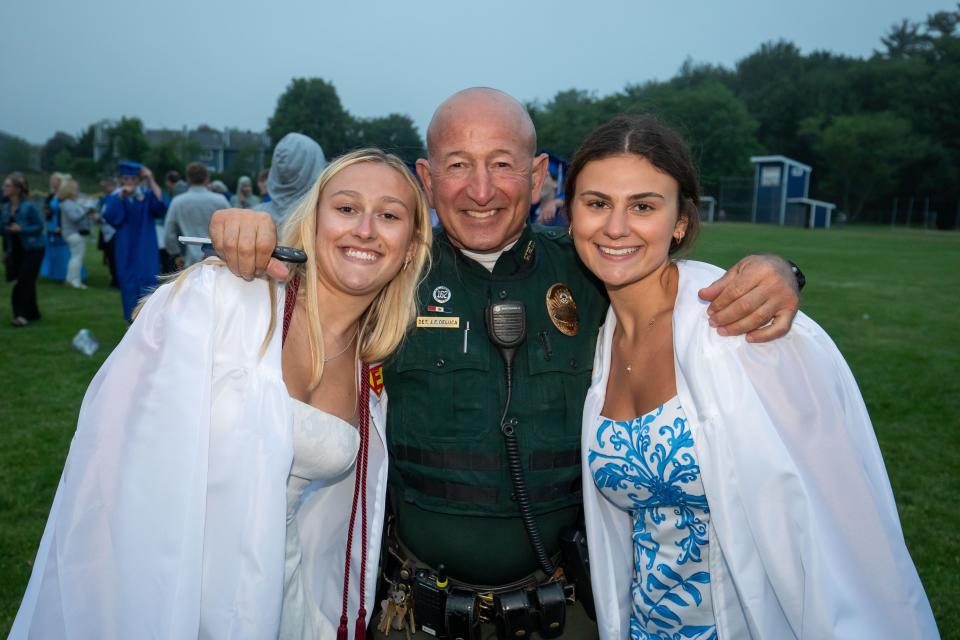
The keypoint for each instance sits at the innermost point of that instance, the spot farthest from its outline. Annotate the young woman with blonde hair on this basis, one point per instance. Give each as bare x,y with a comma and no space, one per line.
74,227
230,449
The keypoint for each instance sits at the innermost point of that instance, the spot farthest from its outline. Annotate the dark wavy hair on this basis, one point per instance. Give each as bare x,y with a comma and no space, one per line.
20,182
646,137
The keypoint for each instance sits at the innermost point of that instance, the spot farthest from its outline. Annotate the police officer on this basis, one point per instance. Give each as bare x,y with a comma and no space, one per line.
453,497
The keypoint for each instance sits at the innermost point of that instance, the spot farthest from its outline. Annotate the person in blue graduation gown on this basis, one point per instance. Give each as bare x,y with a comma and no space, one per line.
131,211
57,254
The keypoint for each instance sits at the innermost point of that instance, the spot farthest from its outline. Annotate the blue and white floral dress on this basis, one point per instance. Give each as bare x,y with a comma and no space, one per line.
648,467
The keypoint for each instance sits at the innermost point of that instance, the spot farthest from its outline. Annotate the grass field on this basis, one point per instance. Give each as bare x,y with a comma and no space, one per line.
888,297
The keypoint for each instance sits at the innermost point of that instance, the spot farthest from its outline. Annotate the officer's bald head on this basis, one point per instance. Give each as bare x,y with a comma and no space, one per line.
481,173
481,105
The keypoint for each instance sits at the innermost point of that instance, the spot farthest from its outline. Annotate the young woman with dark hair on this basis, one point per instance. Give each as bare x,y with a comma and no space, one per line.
22,225
731,490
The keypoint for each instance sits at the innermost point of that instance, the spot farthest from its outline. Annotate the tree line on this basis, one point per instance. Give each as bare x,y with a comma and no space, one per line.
308,105
311,106
873,128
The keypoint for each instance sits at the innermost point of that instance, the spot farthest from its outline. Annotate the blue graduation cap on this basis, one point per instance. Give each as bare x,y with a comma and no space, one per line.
128,168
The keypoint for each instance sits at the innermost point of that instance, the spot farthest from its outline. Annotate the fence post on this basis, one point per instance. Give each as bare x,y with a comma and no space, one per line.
893,212
926,212
909,212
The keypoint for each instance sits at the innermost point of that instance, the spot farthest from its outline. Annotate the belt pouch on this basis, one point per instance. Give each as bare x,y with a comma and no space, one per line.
428,602
576,567
461,618
551,603
513,614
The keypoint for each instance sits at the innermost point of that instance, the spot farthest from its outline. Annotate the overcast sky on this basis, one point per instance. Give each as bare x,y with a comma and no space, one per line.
65,64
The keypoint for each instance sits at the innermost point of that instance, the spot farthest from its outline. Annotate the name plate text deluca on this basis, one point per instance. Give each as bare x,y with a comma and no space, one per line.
433,322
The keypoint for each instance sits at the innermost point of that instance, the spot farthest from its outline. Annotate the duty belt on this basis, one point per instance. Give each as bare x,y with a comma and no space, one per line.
424,597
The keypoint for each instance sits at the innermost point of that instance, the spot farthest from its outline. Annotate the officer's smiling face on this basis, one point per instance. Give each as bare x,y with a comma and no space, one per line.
623,218
481,174
365,222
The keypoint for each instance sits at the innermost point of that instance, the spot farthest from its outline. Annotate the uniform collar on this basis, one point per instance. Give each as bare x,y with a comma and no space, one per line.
514,261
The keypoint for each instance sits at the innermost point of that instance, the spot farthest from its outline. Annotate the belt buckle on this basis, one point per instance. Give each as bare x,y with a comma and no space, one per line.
485,608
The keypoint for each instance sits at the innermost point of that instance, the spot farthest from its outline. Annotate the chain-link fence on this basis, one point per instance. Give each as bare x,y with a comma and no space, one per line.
921,212
731,200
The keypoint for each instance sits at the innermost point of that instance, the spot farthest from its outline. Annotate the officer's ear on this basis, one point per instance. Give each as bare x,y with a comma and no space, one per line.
423,172
540,166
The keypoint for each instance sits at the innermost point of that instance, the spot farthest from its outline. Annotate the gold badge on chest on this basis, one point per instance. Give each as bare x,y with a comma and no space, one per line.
562,309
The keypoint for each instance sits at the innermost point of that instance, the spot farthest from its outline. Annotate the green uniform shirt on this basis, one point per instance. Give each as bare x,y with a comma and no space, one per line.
449,478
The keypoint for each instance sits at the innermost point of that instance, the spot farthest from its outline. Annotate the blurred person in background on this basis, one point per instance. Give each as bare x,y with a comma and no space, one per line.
57,255
74,227
262,185
22,226
548,210
132,211
189,215
219,186
297,161
49,203
105,242
7,249
244,198
175,185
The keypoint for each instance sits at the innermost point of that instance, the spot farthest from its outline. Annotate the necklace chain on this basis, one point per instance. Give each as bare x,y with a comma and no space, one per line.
628,367
344,350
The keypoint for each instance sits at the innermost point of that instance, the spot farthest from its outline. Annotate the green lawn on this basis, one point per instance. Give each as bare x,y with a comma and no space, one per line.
888,298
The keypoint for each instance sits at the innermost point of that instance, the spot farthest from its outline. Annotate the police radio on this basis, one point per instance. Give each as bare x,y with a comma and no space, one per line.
429,601
507,329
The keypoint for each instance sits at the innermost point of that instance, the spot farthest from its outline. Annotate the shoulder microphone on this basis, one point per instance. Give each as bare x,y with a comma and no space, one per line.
507,327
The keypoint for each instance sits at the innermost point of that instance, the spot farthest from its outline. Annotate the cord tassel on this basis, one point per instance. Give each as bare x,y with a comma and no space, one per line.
359,499
360,632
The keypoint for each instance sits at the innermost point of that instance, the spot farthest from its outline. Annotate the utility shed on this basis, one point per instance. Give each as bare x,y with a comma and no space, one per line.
778,179
810,213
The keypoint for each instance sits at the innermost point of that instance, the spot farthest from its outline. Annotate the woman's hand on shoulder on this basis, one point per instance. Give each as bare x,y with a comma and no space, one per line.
245,240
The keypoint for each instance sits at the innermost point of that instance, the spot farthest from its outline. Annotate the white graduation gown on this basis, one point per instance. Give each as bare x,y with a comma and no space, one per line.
805,541
170,517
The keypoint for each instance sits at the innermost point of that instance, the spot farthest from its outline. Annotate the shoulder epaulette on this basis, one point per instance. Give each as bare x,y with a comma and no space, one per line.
557,234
